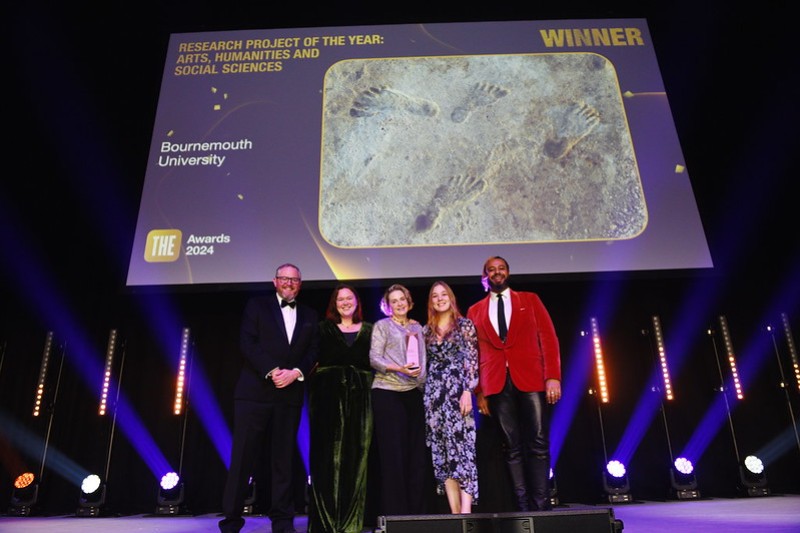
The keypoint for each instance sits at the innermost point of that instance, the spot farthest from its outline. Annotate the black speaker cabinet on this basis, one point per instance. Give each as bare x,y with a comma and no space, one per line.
559,521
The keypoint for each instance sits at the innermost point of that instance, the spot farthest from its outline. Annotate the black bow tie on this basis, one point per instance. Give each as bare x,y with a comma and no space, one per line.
291,304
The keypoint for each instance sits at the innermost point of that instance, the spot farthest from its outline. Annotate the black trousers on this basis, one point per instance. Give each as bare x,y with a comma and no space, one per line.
399,419
257,425
524,421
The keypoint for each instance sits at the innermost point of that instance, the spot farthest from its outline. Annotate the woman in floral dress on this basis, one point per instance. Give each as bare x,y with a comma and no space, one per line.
452,350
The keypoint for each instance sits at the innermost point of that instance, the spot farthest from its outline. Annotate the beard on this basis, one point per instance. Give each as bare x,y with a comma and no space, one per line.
498,287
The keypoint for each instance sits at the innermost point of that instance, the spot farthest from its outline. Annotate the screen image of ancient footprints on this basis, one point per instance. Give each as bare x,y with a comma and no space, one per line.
476,150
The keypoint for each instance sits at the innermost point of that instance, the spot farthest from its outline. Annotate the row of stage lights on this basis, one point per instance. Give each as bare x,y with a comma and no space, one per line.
92,499
170,495
683,480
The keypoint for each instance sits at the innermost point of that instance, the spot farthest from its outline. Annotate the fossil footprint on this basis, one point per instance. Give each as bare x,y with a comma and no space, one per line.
456,191
481,94
377,99
575,124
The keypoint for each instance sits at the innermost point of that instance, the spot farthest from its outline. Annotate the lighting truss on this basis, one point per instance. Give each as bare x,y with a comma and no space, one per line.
26,486
180,383
92,498
729,352
602,382
662,358
615,478
107,371
753,481
40,385
787,331
682,479
171,487
784,385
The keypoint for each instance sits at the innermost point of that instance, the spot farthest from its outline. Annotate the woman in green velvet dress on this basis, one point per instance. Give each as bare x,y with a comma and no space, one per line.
340,417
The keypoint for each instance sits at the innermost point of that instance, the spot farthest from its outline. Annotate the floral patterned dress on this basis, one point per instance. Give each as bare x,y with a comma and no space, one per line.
452,369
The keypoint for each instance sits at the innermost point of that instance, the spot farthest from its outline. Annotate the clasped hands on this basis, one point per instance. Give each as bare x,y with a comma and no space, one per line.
282,377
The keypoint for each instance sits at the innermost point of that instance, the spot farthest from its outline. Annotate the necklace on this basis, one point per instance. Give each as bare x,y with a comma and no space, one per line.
403,323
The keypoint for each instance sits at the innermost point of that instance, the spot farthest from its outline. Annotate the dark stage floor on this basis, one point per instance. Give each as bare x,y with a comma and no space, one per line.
773,514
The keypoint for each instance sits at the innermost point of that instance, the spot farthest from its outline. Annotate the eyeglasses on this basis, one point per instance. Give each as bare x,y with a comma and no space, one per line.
285,279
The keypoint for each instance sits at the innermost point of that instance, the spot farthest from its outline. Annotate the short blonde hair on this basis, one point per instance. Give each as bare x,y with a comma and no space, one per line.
385,307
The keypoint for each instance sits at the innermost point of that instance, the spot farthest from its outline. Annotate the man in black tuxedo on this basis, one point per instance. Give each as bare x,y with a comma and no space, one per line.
279,343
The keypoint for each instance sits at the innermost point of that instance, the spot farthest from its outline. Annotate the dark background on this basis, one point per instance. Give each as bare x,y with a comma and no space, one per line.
80,87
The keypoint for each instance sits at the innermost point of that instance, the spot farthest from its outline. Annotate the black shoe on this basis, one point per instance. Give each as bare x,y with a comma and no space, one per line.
231,525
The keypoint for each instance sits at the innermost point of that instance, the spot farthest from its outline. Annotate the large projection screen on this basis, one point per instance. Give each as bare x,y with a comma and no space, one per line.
405,151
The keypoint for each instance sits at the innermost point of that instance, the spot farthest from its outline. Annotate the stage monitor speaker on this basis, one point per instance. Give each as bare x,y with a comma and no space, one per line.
558,521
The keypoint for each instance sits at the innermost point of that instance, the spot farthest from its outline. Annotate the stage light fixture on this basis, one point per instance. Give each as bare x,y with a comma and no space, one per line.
683,480
24,495
93,496
250,499
554,501
753,477
616,484
170,494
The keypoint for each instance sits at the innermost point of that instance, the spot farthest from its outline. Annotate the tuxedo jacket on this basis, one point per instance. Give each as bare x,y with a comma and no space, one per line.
265,346
531,351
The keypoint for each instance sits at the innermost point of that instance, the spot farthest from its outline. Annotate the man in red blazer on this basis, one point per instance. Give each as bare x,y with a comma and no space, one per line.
520,373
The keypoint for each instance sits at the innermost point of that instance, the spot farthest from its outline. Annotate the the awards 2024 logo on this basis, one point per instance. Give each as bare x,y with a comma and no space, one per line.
163,245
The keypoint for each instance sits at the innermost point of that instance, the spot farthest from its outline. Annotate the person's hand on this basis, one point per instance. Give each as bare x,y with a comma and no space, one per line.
483,405
411,370
465,403
552,391
284,377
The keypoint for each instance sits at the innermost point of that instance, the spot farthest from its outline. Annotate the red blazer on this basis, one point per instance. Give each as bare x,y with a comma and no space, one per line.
531,350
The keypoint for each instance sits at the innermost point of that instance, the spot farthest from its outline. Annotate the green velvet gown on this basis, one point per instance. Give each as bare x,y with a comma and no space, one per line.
340,419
